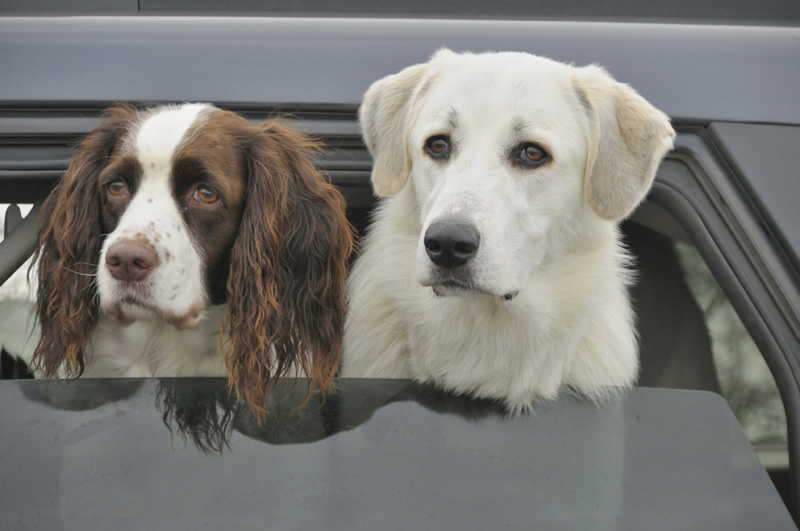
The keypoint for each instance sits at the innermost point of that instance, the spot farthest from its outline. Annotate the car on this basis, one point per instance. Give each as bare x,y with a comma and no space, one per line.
718,295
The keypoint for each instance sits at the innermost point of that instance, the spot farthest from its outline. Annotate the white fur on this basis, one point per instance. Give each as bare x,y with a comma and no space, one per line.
153,347
174,290
548,236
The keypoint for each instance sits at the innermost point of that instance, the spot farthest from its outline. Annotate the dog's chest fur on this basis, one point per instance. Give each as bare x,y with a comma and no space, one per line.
149,348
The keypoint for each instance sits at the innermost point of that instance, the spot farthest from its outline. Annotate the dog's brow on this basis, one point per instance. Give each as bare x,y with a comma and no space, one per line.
127,167
520,125
187,170
453,119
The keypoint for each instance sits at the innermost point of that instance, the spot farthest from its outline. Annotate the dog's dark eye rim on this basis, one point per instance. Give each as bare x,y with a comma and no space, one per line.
205,195
438,146
530,154
116,187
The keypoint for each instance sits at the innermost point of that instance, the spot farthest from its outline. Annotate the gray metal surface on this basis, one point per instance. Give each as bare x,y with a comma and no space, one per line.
60,7
378,455
764,158
18,243
693,72
742,11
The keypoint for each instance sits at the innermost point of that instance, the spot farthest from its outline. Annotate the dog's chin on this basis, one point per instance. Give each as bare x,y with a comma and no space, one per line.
127,313
450,287
452,290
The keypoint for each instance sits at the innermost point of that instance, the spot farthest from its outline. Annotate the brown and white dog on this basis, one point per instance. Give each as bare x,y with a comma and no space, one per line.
184,241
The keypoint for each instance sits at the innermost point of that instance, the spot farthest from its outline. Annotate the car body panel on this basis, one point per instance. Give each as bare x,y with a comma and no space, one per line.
377,454
699,73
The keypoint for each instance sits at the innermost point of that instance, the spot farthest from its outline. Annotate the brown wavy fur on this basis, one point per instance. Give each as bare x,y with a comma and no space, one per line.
67,250
286,287
288,264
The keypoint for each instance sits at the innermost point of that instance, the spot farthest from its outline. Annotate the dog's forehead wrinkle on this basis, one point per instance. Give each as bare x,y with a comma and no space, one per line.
533,97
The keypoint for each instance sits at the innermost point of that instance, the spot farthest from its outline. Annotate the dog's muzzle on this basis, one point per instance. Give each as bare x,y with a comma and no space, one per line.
451,244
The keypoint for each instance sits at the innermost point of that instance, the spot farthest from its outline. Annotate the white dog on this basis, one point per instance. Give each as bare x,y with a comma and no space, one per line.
494,266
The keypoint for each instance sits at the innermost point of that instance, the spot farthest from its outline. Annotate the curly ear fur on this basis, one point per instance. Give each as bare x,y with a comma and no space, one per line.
286,294
628,140
67,251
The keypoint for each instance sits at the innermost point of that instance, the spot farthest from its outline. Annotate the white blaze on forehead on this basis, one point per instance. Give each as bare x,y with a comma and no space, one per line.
160,135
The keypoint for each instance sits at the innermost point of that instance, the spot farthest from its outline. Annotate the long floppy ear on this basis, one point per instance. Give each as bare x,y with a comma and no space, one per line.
384,116
286,294
628,139
67,251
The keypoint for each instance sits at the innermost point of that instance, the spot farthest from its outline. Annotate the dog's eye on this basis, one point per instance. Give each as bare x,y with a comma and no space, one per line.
206,196
438,146
117,188
531,155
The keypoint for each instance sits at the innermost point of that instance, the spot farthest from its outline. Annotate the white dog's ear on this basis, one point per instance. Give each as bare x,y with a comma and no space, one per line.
628,139
384,115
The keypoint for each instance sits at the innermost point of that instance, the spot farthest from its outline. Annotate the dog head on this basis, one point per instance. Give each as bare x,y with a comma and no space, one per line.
167,211
513,158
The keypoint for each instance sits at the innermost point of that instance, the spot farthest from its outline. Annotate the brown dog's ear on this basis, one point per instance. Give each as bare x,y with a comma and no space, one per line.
67,251
384,116
286,294
628,139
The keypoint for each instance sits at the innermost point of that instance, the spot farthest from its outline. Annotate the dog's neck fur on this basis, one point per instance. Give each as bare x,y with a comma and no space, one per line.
154,347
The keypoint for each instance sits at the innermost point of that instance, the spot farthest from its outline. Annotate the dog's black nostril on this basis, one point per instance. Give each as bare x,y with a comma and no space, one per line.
451,243
465,248
432,246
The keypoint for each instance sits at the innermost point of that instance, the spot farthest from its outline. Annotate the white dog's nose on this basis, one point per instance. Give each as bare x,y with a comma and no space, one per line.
450,244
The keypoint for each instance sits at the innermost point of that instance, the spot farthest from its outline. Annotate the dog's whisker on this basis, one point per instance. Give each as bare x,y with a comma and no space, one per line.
79,273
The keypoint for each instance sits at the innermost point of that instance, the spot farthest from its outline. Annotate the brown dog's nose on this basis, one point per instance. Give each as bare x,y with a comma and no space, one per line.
131,261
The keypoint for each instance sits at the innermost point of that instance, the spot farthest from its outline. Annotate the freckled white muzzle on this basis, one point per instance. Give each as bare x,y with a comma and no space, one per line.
171,284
